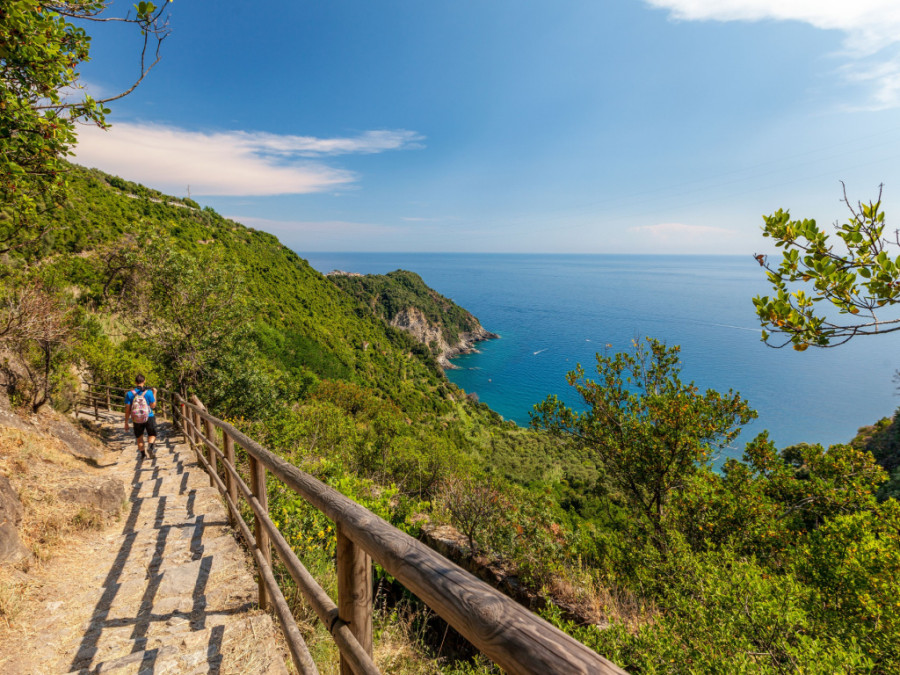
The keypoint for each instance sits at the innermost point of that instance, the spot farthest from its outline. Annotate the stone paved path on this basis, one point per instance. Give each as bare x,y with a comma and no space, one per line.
167,590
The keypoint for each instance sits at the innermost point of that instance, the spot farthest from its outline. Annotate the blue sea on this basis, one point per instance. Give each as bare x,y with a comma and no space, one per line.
555,311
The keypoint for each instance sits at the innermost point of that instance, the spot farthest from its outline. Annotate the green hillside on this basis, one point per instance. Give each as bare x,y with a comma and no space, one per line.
300,321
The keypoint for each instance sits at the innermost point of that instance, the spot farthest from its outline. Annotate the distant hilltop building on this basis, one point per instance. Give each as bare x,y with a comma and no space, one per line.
342,273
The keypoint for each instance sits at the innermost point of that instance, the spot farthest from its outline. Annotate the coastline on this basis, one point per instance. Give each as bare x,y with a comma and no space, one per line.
465,345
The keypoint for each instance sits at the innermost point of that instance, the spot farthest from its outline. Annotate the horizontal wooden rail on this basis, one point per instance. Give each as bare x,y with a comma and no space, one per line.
318,599
97,395
299,652
509,634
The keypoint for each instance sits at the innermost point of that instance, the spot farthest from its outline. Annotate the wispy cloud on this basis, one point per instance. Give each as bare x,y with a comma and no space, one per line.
883,78
231,162
327,235
315,228
367,143
871,31
680,231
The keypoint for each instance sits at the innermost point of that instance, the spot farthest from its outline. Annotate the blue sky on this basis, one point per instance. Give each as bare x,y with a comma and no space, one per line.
623,126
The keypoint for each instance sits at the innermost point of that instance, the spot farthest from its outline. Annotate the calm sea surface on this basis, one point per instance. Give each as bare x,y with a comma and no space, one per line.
554,311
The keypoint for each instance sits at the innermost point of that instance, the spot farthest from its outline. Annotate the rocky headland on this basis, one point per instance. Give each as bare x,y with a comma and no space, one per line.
413,321
403,300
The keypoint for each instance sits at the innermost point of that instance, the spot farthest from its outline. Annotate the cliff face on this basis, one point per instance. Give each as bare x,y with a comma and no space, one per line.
414,322
405,302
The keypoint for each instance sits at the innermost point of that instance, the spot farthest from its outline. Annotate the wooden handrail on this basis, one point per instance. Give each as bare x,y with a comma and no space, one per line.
509,634
318,599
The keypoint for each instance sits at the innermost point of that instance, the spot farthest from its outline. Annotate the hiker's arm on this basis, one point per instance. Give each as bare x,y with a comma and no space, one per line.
153,403
127,415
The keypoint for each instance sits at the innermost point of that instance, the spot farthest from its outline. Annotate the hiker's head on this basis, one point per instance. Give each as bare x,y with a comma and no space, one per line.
139,379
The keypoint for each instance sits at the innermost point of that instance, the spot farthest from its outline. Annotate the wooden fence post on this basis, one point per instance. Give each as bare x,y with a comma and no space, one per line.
210,453
195,430
94,399
258,485
354,572
108,402
228,449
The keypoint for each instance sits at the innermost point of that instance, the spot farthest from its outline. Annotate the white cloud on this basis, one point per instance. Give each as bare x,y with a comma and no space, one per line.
367,143
870,25
229,162
884,79
680,232
871,31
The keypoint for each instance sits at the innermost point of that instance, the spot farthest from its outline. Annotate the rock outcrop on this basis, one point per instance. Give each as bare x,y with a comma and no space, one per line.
413,321
106,495
74,441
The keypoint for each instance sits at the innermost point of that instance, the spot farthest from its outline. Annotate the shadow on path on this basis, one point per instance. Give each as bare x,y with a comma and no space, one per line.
160,523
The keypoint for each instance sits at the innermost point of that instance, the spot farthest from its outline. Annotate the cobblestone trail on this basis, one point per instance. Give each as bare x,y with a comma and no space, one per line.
167,590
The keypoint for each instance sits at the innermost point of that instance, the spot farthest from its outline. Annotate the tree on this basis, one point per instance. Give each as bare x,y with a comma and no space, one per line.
189,317
764,505
648,429
35,324
863,283
474,506
40,51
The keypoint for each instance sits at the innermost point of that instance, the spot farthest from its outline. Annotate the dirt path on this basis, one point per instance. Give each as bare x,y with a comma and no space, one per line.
165,590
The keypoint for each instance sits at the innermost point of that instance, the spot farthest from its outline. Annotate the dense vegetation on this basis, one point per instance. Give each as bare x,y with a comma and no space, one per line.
882,439
785,561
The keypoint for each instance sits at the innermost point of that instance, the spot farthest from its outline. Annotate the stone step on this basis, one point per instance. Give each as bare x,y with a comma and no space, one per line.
176,593
170,484
164,513
181,647
141,470
192,540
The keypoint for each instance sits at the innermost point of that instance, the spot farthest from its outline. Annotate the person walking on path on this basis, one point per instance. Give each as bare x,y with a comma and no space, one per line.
139,405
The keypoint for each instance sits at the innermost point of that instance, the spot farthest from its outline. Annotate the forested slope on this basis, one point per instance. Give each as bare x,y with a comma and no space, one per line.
299,319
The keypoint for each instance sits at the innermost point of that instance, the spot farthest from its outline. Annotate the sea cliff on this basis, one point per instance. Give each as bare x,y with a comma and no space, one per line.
413,321
403,300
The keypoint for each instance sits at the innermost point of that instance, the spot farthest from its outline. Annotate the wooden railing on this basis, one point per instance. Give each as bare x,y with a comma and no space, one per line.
510,635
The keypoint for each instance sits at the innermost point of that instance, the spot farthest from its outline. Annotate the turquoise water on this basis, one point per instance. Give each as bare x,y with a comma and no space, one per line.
553,311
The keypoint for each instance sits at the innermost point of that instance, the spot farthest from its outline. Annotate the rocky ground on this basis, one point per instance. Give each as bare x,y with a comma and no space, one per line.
157,584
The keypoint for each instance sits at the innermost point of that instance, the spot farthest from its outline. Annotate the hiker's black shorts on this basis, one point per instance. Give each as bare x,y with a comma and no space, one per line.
149,426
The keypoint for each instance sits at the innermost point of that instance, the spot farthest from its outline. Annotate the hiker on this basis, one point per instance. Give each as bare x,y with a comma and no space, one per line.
139,405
